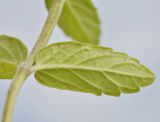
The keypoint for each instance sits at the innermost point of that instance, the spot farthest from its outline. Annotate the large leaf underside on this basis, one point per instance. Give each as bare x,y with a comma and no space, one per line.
91,69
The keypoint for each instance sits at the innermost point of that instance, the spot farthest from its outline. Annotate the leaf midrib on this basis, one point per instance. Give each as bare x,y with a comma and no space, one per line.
45,67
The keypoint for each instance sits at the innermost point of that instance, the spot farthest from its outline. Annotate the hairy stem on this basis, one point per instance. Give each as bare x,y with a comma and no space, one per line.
14,89
53,17
24,71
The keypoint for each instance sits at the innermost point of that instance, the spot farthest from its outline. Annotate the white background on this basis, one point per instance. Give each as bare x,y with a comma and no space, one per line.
131,26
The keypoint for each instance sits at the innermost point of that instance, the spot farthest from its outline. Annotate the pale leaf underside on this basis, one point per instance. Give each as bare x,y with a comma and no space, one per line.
91,69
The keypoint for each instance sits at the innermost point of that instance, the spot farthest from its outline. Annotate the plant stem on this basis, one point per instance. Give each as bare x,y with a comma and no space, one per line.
14,89
53,17
24,71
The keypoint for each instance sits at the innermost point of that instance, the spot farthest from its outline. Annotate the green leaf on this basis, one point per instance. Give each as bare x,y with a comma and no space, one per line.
12,53
79,20
91,69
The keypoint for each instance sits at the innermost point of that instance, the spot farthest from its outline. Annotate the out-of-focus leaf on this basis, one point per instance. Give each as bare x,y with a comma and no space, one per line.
79,20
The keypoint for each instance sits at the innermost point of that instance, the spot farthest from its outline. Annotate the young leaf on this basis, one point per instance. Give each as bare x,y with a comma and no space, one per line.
92,69
79,20
12,53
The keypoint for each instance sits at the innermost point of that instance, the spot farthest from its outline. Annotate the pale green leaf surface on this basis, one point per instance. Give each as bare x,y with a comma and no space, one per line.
12,53
91,69
79,20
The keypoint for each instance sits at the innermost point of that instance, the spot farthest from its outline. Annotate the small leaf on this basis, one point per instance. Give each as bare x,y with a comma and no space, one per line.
91,69
79,20
12,53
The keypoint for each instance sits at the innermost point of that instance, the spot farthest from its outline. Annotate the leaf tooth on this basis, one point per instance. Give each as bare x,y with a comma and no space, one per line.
130,90
149,78
99,80
111,92
133,60
122,82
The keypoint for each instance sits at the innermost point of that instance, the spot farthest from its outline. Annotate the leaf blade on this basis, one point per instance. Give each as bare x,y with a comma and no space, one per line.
93,68
12,53
79,20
